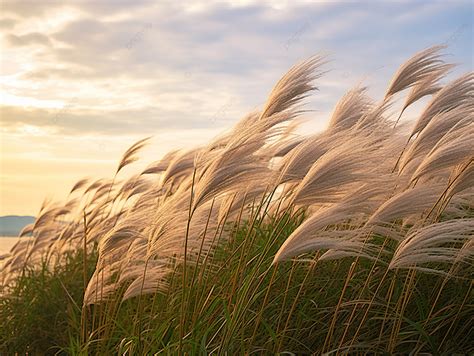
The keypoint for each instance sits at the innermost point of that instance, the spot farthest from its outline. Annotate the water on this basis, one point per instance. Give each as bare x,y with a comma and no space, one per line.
6,243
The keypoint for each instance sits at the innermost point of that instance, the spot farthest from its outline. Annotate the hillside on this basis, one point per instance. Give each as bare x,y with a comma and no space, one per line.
11,225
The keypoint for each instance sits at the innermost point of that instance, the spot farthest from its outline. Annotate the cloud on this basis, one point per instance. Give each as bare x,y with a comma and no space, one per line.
7,23
171,67
33,38
80,73
70,121
28,9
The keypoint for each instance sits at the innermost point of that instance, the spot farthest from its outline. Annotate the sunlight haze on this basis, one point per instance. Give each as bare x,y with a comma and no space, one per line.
81,81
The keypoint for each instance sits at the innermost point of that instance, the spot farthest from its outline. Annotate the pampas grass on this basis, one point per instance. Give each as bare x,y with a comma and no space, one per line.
437,243
261,216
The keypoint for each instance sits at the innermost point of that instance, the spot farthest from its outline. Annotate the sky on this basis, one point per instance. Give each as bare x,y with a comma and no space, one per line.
83,80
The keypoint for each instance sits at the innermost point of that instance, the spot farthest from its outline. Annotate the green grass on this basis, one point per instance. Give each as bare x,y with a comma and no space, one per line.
237,302
43,311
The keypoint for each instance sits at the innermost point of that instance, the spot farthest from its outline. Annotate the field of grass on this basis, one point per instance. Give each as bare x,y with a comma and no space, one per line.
240,303
355,240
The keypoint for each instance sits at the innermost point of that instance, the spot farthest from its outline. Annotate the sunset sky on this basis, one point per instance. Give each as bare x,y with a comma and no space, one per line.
82,80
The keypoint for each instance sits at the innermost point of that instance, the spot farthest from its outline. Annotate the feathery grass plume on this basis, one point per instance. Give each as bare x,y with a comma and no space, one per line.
162,164
180,166
458,206
436,243
56,229
296,164
337,171
416,69
152,197
141,186
169,230
294,86
130,155
351,242
165,246
282,105
65,238
21,244
282,147
453,149
112,249
102,285
427,86
28,229
283,143
149,280
349,110
136,184
287,147
99,213
143,275
47,229
79,184
459,92
409,202
229,205
102,191
375,121
242,129
232,170
120,251
464,179
94,185
356,246
14,262
46,202
439,126
44,239
50,215
359,202
362,121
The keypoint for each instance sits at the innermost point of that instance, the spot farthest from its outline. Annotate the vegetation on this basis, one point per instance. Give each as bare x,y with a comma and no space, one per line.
355,239
240,303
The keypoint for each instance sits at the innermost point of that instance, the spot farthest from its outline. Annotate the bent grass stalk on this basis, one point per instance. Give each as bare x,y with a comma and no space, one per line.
401,306
468,294
366,283
267,293
327,341
84,275
241,304
184,289
193,279
311,268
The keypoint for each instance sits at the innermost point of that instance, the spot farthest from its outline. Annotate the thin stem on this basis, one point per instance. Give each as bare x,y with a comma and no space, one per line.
84,276
183,304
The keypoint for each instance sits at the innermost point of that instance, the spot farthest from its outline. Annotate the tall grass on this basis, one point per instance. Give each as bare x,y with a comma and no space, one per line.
357,238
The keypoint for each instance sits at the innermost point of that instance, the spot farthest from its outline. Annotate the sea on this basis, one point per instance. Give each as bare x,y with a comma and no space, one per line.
6,243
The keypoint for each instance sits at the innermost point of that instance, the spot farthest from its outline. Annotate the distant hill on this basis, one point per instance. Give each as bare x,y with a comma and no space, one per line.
11,225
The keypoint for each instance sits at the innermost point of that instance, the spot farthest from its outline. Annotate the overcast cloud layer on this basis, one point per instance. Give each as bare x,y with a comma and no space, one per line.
81,80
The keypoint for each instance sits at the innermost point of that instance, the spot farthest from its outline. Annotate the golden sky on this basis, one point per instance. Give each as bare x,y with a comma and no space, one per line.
82,80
